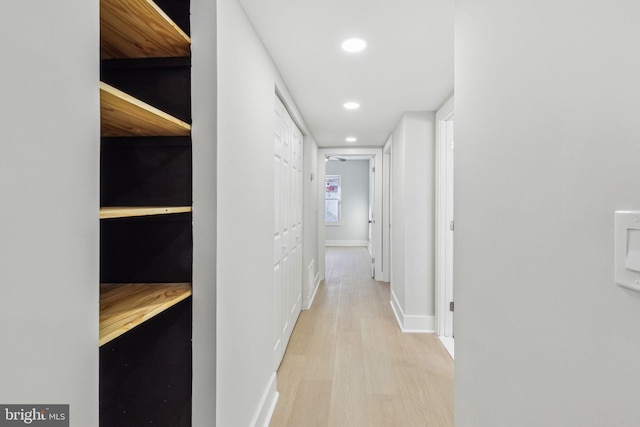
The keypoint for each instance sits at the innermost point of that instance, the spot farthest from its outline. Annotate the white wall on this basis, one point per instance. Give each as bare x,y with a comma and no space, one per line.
247,81
49,169
310,190
354,224
203,135
547,148
412,272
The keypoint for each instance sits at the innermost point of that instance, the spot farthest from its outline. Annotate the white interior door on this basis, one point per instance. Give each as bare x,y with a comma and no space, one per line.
287,274
445,226
390,212
293,302
448,325
386,210
372,219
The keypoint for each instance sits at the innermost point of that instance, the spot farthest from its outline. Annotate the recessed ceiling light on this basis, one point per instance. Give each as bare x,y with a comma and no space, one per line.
351,105
354,45
351,139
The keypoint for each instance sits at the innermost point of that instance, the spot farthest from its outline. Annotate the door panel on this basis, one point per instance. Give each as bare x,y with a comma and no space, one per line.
287,227
449,233
372,218
277,198
278,232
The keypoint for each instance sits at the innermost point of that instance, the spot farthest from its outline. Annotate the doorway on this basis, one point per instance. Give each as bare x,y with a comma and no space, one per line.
445,224
374,243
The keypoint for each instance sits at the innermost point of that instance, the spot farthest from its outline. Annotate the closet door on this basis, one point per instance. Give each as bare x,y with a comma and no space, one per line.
295,301
287,272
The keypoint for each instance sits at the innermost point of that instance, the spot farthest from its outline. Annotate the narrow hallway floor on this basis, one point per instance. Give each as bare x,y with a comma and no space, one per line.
348,363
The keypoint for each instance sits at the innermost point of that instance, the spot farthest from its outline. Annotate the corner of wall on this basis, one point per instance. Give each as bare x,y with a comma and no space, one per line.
411,323
204,108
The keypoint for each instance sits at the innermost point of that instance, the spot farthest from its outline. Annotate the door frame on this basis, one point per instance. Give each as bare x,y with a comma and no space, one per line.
386,212
371,213
376,153
443,269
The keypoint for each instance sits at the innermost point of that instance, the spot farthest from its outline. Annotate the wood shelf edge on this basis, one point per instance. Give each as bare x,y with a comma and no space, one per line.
169,21
128,211
139,29
123,306
123,115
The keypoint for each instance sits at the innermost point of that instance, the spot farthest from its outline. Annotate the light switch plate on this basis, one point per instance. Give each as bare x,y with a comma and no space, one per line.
627,249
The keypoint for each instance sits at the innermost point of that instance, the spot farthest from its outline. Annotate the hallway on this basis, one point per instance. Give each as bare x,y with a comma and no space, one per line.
348,364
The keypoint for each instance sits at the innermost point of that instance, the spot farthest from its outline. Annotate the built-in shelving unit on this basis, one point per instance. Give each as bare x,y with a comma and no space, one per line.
125,306
146,218
127,212
123,115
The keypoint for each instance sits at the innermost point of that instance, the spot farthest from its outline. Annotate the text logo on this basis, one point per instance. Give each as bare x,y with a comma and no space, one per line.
34,415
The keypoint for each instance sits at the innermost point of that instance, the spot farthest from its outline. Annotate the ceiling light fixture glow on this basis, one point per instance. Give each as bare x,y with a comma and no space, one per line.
351,139
351,105
354,45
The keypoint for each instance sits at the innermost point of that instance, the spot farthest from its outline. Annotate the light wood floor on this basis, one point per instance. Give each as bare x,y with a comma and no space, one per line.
348,364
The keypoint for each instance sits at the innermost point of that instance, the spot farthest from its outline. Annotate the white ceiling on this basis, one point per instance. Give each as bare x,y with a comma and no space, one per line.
407,66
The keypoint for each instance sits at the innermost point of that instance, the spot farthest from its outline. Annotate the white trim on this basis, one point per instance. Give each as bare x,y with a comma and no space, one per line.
395,306
411,323
445,112
448,344
443,315
346,243
310,283
386,210
267,405
419,324
316,283
278,352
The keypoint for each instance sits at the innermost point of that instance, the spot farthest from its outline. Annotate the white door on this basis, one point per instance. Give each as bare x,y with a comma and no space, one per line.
293,300
287,273
372,218
445,226
448,325
386,210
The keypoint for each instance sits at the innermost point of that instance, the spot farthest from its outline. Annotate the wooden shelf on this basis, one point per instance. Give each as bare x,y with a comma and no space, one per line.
126,212
123,115
125,306
139,29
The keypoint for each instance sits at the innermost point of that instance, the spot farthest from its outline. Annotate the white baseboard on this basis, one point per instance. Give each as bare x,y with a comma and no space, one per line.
313,279
364,243
263,415
395,306
448,344
316,284
411,323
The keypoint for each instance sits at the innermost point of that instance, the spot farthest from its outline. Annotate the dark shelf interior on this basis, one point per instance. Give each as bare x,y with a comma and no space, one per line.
146,171
145,374
152,249
179,12
164,83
